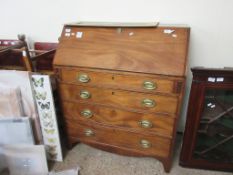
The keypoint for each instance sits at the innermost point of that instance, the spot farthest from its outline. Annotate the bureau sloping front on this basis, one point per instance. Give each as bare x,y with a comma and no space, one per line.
145,50
121,88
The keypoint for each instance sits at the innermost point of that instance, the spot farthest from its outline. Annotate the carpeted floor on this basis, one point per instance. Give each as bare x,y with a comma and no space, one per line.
96,162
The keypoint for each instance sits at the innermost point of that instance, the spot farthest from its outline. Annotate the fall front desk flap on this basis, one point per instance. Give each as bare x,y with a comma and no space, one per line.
136,49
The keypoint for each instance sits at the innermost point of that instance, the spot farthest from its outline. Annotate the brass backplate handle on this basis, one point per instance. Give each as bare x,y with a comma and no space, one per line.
83,78
145,143
89,133
85,94
148,103
145,124
86,113
149,85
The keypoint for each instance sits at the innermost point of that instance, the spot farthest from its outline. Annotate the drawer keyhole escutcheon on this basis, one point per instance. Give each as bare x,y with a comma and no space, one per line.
83,78
145,143
85,94
86,113
145,124
149,103
89,133
149,85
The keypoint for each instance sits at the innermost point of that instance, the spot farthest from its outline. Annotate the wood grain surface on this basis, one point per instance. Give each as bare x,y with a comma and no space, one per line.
159,145
161,124
133,81
117,98
150,50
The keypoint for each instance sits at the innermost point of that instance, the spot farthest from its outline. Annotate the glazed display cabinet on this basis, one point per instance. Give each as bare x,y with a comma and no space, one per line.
208,138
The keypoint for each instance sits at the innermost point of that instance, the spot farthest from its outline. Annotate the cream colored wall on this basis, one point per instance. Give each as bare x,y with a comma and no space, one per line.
211,42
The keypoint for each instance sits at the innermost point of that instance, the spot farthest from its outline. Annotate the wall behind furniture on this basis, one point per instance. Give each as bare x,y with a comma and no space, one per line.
211,42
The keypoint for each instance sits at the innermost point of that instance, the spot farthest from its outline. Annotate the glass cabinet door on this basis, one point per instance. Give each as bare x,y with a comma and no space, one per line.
214,141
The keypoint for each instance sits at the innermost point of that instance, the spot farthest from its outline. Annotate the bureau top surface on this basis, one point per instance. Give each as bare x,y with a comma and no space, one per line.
156,50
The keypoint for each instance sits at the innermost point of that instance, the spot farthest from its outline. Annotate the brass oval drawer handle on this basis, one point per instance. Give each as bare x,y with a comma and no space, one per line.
86,113
85,94
89,133
145,124
148,103
149,85
145,143
83,78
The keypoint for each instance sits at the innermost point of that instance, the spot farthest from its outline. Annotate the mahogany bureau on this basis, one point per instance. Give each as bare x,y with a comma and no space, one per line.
121,88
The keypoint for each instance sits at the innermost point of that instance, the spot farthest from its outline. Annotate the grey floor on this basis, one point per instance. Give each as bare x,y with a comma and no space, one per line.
96,162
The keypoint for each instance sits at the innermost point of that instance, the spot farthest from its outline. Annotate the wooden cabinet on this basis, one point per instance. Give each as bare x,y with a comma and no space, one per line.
208,138
122,88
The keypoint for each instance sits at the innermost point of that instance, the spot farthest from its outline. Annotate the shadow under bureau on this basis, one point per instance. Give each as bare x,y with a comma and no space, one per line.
121,88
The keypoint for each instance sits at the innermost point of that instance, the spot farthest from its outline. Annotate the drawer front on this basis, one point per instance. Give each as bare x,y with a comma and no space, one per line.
130,81
123,99
159,124
150,145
